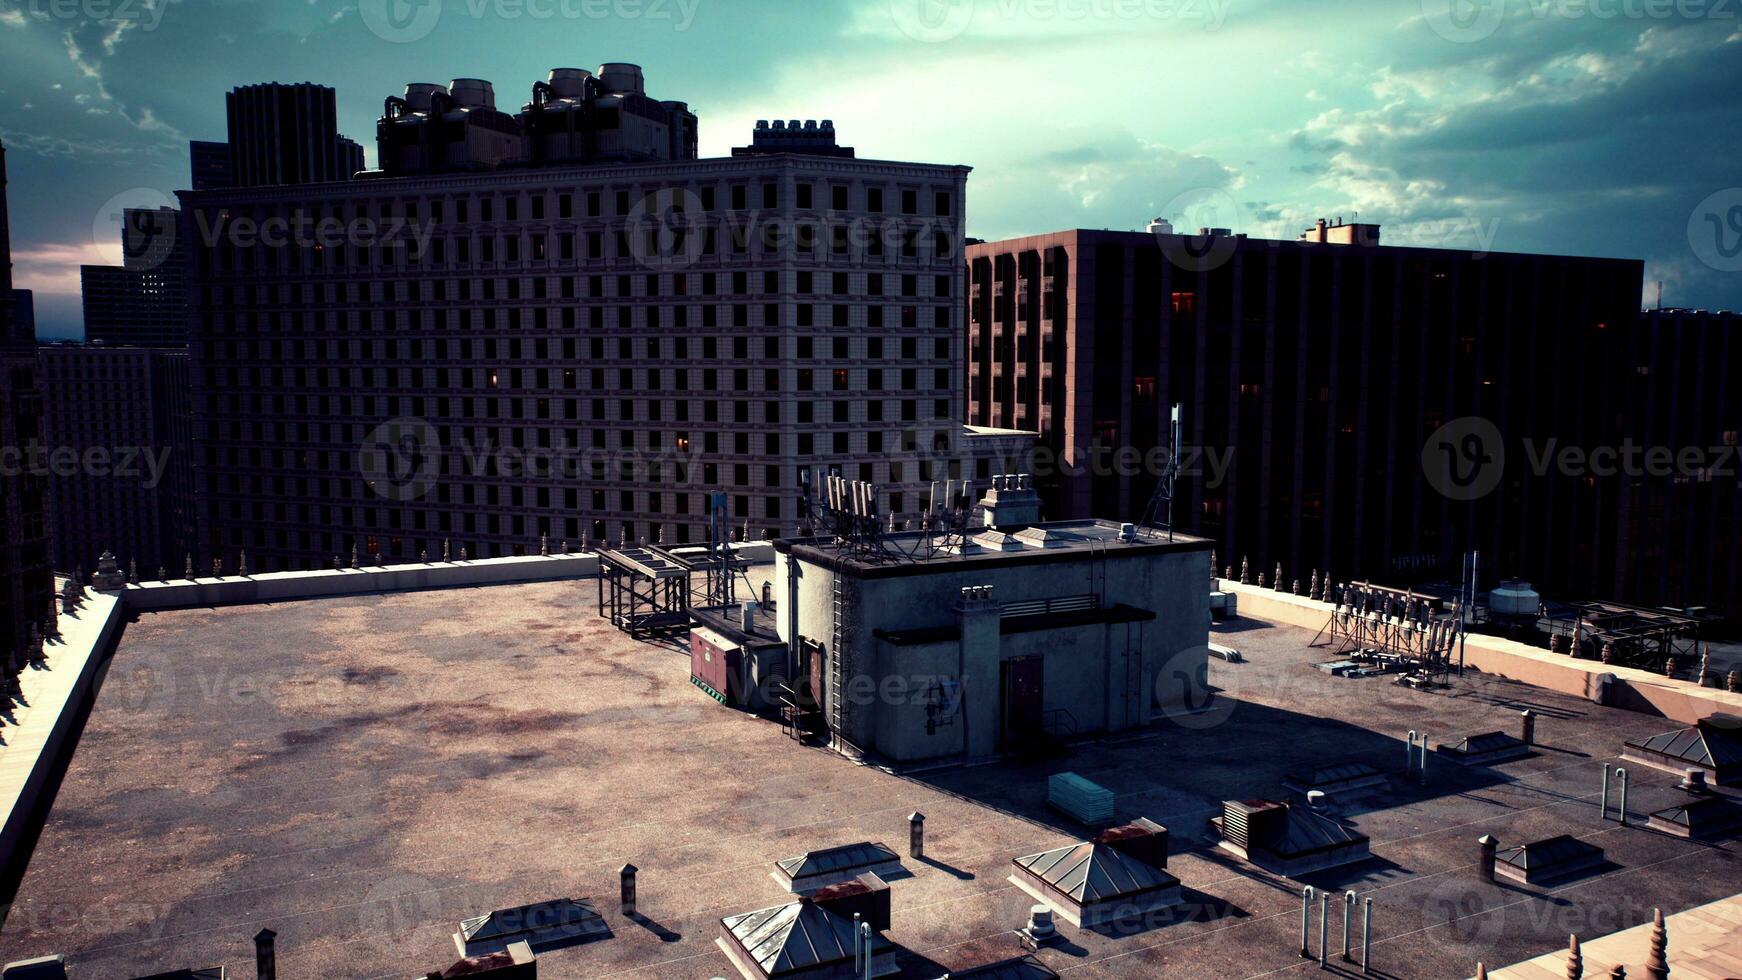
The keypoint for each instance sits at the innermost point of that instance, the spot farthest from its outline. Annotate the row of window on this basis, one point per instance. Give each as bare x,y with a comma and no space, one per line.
648,247
625,350
743,283
624,202
238,422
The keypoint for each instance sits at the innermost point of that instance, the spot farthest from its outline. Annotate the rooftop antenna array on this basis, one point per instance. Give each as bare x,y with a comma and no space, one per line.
1158,514
847,513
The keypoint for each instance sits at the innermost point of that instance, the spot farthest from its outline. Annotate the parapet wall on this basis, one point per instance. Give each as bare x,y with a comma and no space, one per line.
231,590
45,726
1633,689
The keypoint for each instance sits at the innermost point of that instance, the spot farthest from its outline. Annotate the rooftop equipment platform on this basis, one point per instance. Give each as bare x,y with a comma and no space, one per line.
648,591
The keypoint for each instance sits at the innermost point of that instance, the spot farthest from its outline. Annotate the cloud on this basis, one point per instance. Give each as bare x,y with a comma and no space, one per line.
53,267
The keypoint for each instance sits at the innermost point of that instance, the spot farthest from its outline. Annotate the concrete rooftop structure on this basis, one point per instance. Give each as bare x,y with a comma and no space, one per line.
360,774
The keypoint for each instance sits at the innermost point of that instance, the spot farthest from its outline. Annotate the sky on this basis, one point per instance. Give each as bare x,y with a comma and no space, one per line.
1588,127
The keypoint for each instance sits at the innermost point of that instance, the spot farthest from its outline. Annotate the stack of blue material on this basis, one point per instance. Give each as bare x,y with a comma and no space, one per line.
1076,796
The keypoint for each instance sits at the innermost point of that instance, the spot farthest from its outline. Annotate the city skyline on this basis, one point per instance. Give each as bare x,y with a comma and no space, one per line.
1524,126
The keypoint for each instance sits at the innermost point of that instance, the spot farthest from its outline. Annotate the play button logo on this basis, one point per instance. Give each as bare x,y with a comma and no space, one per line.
1464,21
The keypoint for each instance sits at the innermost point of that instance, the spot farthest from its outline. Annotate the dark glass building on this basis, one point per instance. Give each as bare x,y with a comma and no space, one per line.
1362,410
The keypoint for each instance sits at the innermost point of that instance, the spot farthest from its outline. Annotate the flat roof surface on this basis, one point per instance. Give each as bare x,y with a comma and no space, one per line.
361,774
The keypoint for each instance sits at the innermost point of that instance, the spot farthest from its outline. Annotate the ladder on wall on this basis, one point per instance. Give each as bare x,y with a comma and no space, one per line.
840,672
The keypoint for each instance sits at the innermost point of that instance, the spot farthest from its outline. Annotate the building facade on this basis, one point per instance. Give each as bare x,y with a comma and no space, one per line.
26,585
287,134
1313,375
24,313
1680,521
572,352
209,165
142,302
123,414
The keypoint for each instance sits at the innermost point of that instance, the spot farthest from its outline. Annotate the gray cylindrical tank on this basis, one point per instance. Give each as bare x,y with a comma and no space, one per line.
1514,598
568,83
621,76
473,93
418,95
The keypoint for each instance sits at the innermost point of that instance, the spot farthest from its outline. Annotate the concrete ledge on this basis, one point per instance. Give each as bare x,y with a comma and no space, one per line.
1633,689
44,732
234,590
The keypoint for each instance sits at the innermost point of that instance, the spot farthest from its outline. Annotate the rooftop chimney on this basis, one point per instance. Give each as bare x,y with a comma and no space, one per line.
265,955
1011,504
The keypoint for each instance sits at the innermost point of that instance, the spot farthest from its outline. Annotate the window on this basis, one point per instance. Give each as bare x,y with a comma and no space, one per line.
874,200
804,196
943,204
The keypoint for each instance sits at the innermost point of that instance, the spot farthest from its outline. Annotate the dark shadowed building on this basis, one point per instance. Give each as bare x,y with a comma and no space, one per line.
26,586
119,418
1313,374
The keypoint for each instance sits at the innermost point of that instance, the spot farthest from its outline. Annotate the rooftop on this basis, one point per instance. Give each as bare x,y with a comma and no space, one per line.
906,552
361,774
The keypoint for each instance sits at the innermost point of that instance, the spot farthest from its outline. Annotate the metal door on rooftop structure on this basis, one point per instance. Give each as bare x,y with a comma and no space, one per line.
1023,683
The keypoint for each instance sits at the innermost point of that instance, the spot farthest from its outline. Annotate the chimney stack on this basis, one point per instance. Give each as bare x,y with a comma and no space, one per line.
265,955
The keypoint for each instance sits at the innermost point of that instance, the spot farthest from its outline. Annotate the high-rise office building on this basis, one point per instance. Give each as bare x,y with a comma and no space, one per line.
1312,375
1680,520
210,166
572,349
141,302
287,134
26,584
123,413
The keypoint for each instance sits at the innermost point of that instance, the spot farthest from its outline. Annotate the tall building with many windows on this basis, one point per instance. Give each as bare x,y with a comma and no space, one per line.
1313,377
287,134
1680,522
123,414
26,585
210,166
141,302
572,351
